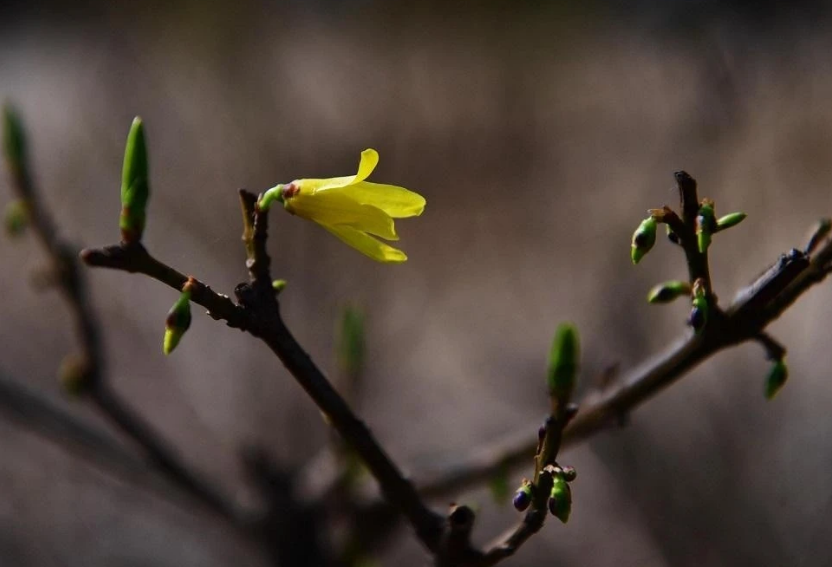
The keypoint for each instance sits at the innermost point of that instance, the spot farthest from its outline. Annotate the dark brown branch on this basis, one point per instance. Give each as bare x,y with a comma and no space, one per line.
604,408
698,267
258,314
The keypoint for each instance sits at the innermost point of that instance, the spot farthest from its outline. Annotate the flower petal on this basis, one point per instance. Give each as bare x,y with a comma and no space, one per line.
369,161
397,202
335,208
367,245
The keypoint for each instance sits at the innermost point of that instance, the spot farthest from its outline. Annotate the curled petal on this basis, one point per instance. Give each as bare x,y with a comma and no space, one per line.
369,161
334,208
367,245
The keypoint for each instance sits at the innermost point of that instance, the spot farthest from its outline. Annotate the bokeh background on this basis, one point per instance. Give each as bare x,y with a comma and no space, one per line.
539,134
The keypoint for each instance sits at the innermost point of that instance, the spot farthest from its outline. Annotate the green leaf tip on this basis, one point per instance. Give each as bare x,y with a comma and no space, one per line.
15,217
563,363
135,185
643,239
729,220
776,379
279,285
706,225
178,320
668,291
560,499
14,139
351,341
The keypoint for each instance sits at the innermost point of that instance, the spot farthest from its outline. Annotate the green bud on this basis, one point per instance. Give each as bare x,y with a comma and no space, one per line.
278,285
668,291
776,378
523,496
643,239
705,225
135,185
177,321
560,499
563,364
498,485
730,220
351,344
14,140
74,375
698,317
269,197
16,217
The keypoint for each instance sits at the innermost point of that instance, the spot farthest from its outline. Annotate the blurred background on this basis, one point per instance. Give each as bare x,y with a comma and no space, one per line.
539,134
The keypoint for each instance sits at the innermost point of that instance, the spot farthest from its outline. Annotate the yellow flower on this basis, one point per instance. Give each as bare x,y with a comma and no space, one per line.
354,210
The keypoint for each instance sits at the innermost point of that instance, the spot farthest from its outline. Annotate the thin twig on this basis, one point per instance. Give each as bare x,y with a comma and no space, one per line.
258,314
72,285
640,384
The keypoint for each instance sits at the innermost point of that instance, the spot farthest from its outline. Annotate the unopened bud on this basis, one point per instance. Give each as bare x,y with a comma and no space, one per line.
705,225
74,375
698,317
563,364
178,321
16,217
729,220
569,473
278,285
135,185
643,239
560,499
523,497
668,291
776,378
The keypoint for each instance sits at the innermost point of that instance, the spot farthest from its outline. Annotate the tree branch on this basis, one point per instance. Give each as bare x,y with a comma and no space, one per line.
753,310
258,313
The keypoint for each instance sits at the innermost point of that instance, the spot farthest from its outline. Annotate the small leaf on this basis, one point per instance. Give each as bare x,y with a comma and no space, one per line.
498,485
351,343
705,225
776,378
668,291
278,285
14,140
729,220
563,364
560,499
16,217
643,239
135,185
523,496
178,321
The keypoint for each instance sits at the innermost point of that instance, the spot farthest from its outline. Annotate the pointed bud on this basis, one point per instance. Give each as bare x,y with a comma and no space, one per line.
14,141
643,239
776,378
16,217
498,485
560,499
74,375
278,285
135,185
730,220
177,321
351,343
523,496
668,291
266,200
705,225
563,364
